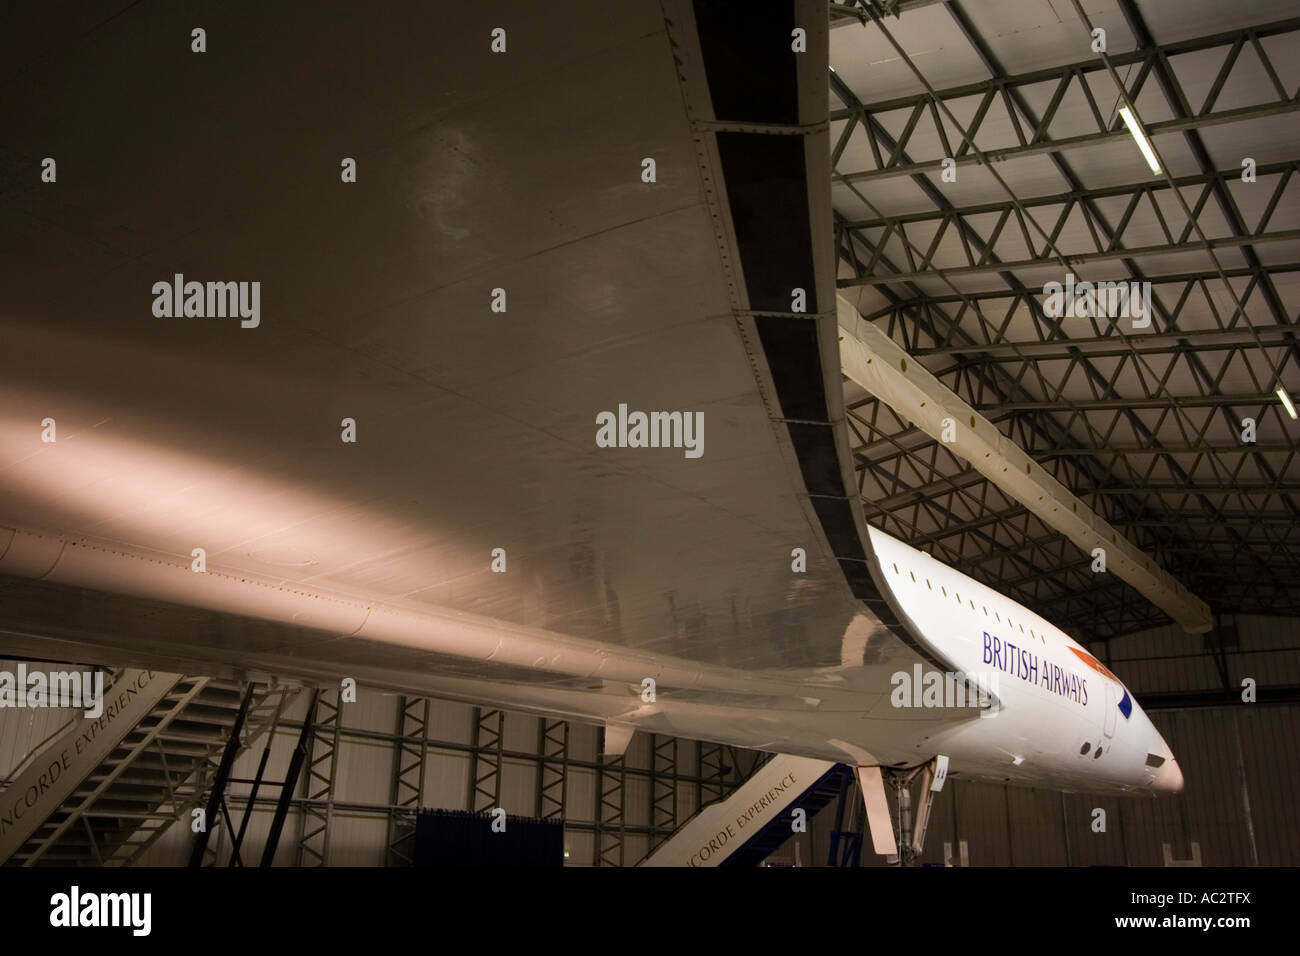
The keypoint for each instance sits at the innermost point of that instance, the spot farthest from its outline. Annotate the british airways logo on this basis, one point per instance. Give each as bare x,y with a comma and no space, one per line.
1125,702
1024,664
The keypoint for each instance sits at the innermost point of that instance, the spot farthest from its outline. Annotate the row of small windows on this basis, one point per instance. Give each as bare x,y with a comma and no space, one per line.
1031,631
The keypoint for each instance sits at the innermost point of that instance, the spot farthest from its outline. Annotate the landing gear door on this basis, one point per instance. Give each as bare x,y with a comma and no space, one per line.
1112,705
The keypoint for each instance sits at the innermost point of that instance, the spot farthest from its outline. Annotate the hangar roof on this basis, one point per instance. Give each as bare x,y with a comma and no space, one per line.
1145,424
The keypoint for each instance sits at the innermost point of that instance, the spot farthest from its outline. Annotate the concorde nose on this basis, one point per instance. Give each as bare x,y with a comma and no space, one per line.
1166,776
1169,778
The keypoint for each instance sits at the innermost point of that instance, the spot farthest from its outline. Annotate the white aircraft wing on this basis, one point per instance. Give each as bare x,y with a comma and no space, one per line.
181,490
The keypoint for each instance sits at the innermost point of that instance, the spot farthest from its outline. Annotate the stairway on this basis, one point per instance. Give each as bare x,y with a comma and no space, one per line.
770,838
747,826
153,777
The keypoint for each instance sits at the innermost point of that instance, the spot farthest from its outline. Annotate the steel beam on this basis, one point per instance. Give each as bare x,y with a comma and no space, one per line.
290,783
552,768
876,363
318,815
217,796
1075,196
1078,259
1148,57
410,756
485,767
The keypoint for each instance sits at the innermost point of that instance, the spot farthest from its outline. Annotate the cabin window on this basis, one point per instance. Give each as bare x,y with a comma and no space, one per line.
1085,748
895,569
913,574
944,590
928,584
1155,760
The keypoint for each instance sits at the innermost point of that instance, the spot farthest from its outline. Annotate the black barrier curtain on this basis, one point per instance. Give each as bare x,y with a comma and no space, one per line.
460,838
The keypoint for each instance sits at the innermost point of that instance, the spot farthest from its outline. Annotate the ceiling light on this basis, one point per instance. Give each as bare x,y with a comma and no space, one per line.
1144,144
1286,400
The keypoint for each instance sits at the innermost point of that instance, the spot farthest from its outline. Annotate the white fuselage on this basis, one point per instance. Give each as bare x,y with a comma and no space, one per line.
1062,718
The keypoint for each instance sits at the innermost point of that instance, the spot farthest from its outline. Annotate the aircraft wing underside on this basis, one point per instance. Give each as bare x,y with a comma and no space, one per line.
496,280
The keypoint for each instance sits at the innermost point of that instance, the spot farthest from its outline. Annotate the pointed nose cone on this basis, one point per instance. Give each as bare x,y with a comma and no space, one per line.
1169,778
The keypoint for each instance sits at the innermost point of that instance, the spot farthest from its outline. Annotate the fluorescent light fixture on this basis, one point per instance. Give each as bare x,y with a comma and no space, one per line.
1286,400
1144,144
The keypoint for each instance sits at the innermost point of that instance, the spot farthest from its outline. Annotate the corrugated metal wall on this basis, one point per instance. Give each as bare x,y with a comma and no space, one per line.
358,831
